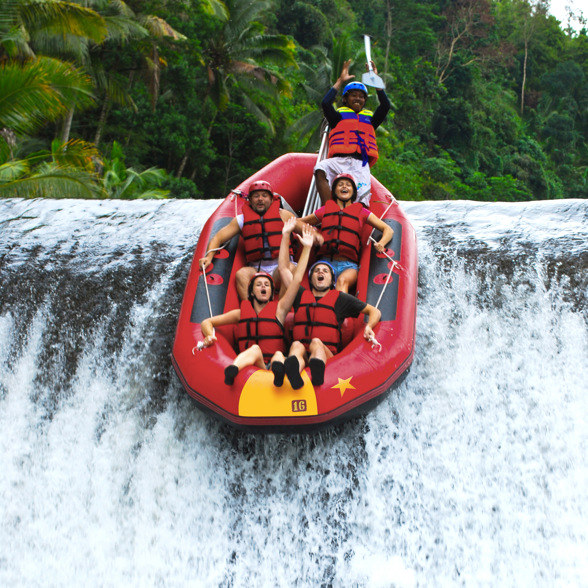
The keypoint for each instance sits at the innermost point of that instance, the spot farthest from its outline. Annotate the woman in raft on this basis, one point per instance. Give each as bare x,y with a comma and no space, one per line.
342,220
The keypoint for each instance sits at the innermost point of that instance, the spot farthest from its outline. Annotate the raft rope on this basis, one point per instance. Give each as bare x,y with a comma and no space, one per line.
392,201
393,265
200,344
376,345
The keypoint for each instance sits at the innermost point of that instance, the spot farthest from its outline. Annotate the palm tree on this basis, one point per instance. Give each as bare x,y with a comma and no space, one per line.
46,27
123,26
37,89
241,59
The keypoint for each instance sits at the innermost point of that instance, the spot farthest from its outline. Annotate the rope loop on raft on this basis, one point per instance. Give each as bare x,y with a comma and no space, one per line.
376,345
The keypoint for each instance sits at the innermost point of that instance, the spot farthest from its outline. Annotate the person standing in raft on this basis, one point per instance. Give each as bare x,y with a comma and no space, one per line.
342,220
260,319
352,139
318,315
261,227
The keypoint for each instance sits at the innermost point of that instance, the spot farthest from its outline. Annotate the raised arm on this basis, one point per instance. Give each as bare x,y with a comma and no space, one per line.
286,301
222,236
387,232
284,254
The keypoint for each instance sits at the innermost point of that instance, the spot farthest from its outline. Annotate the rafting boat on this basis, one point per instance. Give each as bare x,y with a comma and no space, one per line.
357,377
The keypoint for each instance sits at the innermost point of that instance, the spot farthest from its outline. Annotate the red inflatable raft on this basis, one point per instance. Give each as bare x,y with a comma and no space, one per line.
356,378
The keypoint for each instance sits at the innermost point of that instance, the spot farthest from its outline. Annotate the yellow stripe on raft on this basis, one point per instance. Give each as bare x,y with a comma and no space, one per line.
260,398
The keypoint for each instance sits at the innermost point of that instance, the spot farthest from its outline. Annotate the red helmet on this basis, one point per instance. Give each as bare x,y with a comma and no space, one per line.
261,185
347,177
257,275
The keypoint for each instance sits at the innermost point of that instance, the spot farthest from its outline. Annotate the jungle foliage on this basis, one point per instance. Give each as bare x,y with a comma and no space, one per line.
187,98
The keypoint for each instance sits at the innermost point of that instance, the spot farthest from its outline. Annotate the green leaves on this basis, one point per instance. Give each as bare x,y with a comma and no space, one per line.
40,91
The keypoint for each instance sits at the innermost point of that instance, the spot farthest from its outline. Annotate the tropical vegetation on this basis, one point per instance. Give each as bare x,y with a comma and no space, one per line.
186,98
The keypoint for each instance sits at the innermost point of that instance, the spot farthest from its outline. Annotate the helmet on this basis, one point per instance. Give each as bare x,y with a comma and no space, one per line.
260,185
347,177
355,86
333,275
258,275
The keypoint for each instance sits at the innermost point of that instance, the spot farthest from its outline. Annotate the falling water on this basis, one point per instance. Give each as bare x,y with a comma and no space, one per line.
472,472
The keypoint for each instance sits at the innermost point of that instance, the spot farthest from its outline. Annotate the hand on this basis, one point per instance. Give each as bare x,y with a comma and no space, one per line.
379,247
307,238
345,77
367,67
208,341
289,225
204,262
368,333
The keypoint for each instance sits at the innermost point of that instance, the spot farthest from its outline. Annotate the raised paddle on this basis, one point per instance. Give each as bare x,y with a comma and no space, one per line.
370,78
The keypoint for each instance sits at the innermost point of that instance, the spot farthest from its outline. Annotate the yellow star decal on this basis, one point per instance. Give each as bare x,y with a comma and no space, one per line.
343,385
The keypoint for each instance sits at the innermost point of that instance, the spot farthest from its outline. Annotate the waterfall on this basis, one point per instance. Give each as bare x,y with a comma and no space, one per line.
472,472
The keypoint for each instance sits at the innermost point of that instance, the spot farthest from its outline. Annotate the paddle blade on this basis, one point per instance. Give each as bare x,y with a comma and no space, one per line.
369,78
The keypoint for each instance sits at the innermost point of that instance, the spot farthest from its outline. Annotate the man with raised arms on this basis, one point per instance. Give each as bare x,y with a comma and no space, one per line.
318,315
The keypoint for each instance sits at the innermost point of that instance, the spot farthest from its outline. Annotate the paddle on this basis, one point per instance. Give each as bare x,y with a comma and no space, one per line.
370,78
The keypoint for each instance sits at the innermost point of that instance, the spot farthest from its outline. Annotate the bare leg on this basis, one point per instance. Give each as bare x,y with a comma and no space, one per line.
322,185
319,350
346,280
251,356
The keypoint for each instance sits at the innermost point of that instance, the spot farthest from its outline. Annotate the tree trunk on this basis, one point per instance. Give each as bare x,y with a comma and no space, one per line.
102,121
183,164
524,77
67,126
388,35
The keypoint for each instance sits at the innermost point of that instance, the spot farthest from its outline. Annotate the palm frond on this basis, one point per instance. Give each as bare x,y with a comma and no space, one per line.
158,28
62,19
53,182
40,91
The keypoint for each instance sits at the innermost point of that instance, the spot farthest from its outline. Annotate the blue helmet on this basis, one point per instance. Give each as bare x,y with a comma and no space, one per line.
355,86
333,274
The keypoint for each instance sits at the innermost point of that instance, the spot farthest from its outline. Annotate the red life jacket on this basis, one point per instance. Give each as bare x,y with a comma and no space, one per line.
341,229
315,317
354,134
262,233
263,328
